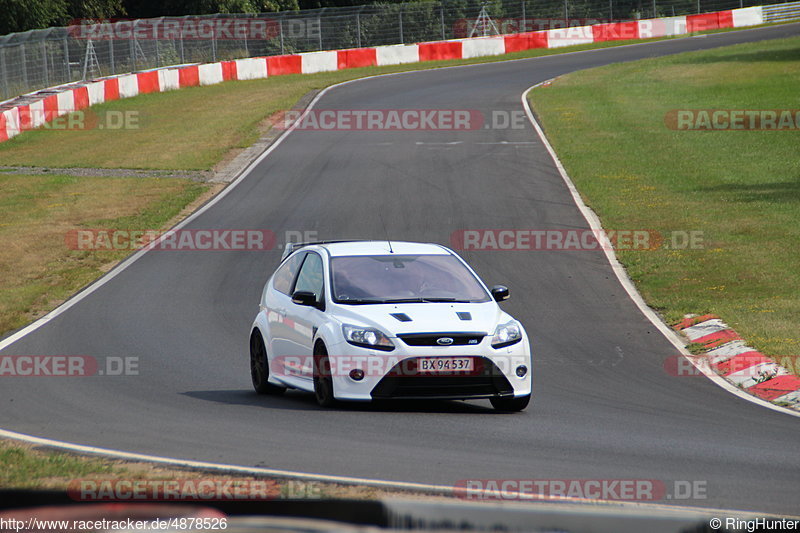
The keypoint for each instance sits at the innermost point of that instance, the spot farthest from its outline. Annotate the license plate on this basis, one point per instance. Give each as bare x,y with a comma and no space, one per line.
445,364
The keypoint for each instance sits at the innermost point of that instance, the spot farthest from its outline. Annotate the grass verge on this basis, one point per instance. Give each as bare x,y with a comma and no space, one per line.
739,189
23,466
38,269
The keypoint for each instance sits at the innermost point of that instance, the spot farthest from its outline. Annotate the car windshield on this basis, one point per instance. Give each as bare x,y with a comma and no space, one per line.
396,279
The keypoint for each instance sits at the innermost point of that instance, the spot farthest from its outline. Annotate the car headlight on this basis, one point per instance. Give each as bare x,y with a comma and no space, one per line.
367,338
506,335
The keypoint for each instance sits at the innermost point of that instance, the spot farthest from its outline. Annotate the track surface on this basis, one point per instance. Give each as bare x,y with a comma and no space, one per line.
604,408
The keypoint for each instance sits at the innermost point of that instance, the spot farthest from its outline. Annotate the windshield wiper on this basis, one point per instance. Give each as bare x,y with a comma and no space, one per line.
365,301
361,301
424,300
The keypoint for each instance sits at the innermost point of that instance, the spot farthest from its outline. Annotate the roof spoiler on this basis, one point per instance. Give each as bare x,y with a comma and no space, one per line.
291,247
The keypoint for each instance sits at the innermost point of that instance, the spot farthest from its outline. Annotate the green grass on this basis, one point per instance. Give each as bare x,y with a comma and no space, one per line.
23,468
194,128
37,268
26,467
741,189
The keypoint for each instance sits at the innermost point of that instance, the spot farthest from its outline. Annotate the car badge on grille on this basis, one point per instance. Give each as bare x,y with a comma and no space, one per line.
444,341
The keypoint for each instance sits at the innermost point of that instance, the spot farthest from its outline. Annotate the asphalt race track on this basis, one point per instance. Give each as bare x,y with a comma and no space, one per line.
603,407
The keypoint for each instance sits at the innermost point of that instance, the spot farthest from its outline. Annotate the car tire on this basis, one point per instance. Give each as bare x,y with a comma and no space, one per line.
323,382
259,366
510,405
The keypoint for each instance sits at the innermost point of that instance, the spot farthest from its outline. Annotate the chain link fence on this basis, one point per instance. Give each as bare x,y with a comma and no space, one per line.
44,58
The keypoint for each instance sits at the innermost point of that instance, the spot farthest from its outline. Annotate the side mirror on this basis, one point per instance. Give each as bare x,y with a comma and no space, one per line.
305,298
500,293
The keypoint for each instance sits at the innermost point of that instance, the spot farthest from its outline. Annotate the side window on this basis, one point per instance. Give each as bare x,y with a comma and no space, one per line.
282,282
311,277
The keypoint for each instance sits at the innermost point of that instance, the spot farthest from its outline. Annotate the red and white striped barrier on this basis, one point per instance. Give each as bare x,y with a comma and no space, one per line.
33,110
741,365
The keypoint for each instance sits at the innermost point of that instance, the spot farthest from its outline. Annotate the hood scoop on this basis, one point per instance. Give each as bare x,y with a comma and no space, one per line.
464,315
402,317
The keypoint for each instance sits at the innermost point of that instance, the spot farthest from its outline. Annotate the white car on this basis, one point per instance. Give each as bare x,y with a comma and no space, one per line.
371,320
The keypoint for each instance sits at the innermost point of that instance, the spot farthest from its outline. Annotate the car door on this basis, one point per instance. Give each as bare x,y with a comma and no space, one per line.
277,299
304,319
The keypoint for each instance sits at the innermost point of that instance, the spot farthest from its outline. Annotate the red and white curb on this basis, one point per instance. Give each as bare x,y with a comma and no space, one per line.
730,357
35,109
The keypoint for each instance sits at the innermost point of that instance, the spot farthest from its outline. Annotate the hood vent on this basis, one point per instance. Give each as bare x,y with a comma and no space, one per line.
464,315
402,317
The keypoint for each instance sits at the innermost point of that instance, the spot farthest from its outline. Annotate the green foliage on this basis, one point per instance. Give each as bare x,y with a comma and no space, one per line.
95,8
267,6
23,15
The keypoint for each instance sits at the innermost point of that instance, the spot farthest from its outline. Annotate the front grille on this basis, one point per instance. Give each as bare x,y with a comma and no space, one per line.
404,382
430,339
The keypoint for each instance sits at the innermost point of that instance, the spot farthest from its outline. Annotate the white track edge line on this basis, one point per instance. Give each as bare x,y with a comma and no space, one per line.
622,276
348,480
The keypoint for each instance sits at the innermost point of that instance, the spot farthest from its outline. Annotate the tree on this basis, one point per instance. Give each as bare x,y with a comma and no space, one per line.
270,6
103,9
24,15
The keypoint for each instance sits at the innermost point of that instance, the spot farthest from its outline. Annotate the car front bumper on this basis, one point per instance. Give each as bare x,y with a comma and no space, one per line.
395,375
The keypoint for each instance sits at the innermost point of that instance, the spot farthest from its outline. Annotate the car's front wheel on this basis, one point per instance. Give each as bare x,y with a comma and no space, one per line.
511,405
323,382
259,366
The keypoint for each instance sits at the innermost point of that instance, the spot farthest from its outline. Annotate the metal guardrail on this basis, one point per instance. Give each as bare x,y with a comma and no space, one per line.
782,12
38,59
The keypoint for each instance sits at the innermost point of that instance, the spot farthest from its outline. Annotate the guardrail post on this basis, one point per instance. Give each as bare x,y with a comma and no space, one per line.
524,26
67,73
132,52
246,46
441,13
280,31
111,55
402,40
3,75
24,68
46,69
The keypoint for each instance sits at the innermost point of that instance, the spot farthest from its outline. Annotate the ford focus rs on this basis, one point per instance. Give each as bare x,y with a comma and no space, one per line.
372,320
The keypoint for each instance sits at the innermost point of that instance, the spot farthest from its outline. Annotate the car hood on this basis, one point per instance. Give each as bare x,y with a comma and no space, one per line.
396,319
